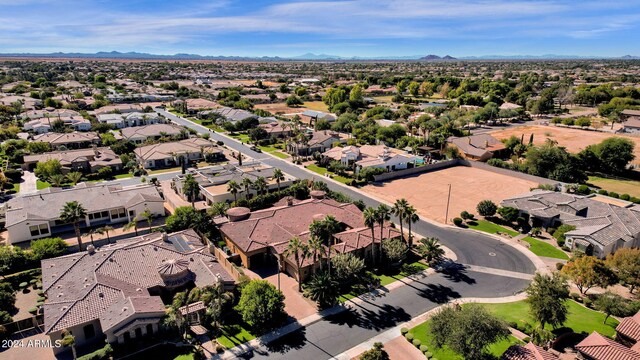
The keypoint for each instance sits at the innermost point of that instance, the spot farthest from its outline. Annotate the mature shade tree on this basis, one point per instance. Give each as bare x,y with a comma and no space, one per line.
48,248
468,330
186,217
394,249
625,262
347,268
299,251
261,305
486,208
614,154
191,188
547,297
610,304
72,213
323,289
508,213
587,272
376,353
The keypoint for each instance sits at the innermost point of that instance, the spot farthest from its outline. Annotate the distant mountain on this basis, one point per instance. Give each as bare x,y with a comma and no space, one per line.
307,57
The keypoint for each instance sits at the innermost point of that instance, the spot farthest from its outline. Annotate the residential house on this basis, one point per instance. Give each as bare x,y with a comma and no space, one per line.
214,180
277,130
115,293
27,102
228,114
49,113
598,347
375,156
140,134
169,153
83,160
137,98
311,117
119,109
120,121
259,238
630,121
628,331
601,227
479,147
72,140
530,351
319,141
36,215
43,125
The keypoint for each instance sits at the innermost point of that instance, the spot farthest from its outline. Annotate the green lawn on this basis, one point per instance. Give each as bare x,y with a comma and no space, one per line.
631,187
422,332
579,319
489,227
389,277
242,137
166,352
234,335
42,184
165,170
123,176
16,187
279,154
322,171
542,248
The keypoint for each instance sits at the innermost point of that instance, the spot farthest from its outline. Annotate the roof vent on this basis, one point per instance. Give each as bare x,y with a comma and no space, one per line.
101,295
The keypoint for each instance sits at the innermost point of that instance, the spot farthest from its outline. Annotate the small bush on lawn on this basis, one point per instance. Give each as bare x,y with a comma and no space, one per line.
457,221
409,336
424,348
100,354
513,324
587,302
575,296
428,354
416,342
404,331
33,310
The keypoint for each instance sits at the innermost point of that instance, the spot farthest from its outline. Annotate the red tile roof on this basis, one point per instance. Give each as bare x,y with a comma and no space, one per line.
527,352
630,327
598,347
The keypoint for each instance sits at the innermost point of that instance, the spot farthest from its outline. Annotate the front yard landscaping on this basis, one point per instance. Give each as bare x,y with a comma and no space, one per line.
489,227
542,248
234,335
421,332
579,319
322,171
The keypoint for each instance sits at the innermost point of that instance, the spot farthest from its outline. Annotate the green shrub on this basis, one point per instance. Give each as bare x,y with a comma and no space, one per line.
100,354
625,197
603,192
513,324
33,310
559,266
424,348
614,194
404,331
409,336
33,281
526,339
551,230
428,355
40,298
587,302
457,221
416,342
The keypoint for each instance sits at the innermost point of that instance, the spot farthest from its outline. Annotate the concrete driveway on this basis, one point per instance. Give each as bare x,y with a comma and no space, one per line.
29,183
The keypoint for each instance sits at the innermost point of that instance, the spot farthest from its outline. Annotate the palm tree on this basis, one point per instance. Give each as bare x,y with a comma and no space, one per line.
56,180
383,213
191,188
72,213
216,299
233,187
133,224
278,176
315,248
370,219
260,185
430,248
300,251
411,216
218,209
3,181
74,177
148,216
246,182
105,230
331,227
398,210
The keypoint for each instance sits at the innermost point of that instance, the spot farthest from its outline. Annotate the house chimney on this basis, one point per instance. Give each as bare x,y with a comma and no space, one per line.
469,140
289,200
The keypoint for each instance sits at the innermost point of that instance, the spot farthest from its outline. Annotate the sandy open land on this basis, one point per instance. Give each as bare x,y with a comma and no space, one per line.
428,192
280,108
573,139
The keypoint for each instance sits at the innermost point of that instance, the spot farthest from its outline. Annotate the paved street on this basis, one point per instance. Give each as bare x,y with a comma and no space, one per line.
338,333
471,247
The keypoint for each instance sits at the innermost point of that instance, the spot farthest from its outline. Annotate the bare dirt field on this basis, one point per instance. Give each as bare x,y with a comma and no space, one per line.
280,108
428,192
573,139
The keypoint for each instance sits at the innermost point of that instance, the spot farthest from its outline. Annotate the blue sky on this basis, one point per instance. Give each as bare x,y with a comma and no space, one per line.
346,28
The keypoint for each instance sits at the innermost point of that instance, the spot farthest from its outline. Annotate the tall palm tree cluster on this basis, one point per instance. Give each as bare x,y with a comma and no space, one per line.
402,210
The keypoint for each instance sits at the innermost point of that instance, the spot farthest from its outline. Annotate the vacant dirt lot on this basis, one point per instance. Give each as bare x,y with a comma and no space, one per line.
280,108
428,192
573,139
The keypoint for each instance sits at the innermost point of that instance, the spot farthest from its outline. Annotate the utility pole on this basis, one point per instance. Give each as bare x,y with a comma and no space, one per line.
446,216
278,259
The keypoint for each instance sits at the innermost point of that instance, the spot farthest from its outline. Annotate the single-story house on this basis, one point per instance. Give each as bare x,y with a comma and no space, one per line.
168,154
530,351
628,330
630,121
319,141
601,227
83,160
119,108
312,116
598,347
43,125
120,121
140,134
229,114
479,147
115,293
72,140
37,215
376,156
277,129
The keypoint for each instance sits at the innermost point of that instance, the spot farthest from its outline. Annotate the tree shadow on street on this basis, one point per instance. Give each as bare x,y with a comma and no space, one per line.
439,293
